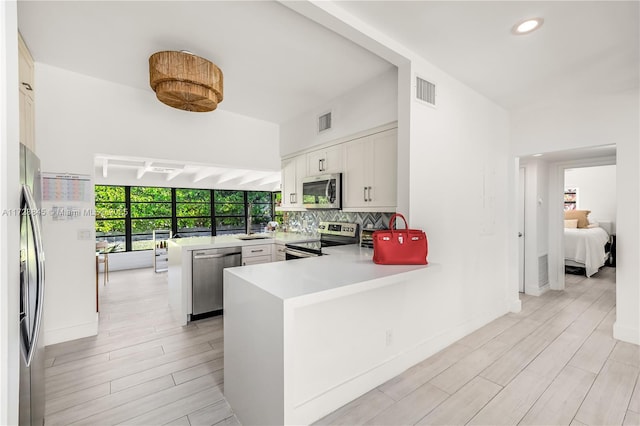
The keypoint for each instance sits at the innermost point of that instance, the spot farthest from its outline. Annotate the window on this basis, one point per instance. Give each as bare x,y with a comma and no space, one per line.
193,212
111,213
230,208
126,216
261,209
278,216
150,209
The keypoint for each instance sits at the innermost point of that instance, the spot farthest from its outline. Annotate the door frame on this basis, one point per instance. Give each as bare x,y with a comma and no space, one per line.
556,213
522,221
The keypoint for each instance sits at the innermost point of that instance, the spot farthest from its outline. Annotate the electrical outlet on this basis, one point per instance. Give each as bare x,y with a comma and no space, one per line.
389,337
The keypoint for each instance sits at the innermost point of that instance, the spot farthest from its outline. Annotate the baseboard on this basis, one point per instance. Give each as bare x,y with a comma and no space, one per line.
538,291
626,334
515,306
51,337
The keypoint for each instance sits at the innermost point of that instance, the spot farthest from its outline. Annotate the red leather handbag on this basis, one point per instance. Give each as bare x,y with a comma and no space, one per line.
400,246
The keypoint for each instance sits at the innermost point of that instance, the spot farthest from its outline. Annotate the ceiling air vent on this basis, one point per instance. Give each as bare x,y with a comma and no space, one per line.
324,122
425,91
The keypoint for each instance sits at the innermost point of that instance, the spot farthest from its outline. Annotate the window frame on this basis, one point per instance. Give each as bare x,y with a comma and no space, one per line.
128,219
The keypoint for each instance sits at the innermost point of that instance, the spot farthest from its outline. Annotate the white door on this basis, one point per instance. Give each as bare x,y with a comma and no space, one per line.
521,222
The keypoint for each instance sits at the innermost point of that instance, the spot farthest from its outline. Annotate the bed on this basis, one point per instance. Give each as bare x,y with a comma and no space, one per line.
587,248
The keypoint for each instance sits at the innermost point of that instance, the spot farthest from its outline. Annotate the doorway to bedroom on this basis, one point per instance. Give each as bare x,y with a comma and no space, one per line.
590,202
545,192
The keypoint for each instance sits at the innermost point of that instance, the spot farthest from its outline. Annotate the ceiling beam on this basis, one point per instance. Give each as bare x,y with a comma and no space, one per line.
143,170
205,173
173,174
272,178
230,175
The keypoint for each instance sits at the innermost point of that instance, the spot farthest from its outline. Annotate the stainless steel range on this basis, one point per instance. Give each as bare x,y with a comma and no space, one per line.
331,234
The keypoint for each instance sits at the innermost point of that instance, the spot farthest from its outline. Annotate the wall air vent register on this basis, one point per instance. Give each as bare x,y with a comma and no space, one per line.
324,122
425,91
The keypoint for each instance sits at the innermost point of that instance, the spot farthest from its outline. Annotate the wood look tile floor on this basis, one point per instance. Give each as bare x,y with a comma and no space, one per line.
554,363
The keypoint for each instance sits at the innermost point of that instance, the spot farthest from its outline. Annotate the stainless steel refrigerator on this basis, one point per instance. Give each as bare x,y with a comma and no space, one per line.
31,292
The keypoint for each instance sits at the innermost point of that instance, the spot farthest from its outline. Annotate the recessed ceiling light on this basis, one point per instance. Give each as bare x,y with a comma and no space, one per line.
527,26
537,155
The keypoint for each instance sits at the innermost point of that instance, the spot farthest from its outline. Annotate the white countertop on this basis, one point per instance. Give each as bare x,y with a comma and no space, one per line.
198,243
342,267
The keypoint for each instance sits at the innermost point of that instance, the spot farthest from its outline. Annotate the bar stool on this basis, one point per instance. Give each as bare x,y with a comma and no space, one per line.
103,257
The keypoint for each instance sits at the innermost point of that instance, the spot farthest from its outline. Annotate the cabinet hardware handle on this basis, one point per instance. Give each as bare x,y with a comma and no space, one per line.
257,251
27,86
291,198
365,194
320,165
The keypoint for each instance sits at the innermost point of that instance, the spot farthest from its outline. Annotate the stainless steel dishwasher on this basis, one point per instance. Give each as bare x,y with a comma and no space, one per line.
207,277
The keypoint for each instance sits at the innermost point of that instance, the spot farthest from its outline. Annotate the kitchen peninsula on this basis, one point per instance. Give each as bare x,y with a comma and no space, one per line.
305,337
180,252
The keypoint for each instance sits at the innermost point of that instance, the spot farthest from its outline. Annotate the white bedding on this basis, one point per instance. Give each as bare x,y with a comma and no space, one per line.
586,246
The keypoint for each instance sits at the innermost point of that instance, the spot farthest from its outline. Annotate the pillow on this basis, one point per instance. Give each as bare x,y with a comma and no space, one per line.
581,215
593,225
571,223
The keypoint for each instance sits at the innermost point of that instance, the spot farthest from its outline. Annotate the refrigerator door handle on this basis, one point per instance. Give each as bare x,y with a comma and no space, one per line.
32,212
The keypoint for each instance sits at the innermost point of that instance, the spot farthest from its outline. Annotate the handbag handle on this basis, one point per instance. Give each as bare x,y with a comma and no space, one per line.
393,220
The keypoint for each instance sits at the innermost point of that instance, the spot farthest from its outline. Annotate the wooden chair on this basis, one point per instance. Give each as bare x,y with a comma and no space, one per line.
103,257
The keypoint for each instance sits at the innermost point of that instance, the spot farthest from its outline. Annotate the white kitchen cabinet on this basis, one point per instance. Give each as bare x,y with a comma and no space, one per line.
252,255
293,170
327,160
370,177
278,253
26,96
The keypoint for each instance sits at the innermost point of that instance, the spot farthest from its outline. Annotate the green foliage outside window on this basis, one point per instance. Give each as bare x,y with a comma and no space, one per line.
193,195
229,209
109,193
150,194
124,220
150,209
222,197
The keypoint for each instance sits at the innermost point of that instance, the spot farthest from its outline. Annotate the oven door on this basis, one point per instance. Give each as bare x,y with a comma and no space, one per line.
292,254
322,192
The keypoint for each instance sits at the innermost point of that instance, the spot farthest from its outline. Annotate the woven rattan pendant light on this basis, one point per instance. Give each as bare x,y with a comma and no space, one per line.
185,81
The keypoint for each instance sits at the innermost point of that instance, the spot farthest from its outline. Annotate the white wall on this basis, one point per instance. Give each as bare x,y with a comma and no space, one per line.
459,185
9,223
369,105
78,117
596,190
536,222
590,122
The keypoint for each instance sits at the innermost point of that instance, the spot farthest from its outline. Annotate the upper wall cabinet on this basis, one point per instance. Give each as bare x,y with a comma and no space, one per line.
293,170
327,160
26,95
370,176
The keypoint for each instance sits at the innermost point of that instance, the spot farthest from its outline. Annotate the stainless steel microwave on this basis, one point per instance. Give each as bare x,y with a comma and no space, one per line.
322,192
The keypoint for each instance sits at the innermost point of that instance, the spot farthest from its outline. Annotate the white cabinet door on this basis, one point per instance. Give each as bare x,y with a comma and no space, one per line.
293,170
354,188
27,120
383,153
256,260
370,176
327,160
278,253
